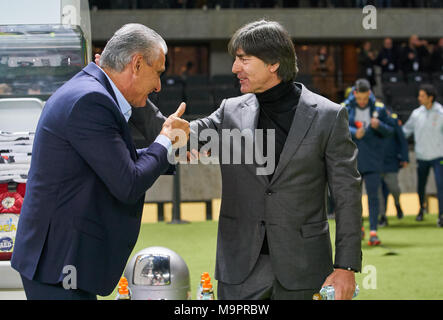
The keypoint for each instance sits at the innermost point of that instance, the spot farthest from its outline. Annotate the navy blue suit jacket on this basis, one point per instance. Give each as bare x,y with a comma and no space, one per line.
86,188
395,148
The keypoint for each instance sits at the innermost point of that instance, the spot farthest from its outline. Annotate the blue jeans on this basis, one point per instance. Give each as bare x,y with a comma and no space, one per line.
423,167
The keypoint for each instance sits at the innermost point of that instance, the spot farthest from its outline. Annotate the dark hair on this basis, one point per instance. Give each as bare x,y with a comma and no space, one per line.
268,41
429,89
362,85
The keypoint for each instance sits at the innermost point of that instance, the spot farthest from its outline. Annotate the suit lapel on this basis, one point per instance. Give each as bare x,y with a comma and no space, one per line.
250,112
93,70
304,115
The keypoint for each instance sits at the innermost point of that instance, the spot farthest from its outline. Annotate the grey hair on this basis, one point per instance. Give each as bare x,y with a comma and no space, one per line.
270,42
130,39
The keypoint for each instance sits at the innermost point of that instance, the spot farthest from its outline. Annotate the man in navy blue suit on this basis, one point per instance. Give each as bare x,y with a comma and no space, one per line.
82,211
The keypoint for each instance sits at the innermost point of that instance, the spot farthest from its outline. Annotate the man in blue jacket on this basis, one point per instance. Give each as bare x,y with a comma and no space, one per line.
82,211
396,157
368,124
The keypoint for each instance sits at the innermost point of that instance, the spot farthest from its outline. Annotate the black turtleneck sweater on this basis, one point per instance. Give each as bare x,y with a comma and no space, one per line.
277,109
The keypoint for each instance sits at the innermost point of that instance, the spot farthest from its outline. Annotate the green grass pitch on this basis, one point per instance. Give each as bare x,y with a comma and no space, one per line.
408,264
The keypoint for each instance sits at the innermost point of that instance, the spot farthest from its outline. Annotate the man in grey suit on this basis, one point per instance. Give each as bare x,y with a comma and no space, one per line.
273,234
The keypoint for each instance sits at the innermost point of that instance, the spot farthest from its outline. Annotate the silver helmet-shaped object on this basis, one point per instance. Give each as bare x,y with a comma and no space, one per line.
158,273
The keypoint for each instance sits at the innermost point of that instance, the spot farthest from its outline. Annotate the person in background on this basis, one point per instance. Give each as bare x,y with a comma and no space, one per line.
426,124
436,64
395,157
413,56
323,70
387,58
366,61
369,126
186,70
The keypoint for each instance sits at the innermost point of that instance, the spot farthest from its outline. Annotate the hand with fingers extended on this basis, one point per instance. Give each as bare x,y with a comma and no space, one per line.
176,129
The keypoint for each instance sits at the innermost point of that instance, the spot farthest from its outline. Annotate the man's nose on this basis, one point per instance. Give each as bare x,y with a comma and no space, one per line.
158,87
236,67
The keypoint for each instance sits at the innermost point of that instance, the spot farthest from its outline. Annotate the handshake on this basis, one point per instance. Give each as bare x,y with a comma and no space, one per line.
176,128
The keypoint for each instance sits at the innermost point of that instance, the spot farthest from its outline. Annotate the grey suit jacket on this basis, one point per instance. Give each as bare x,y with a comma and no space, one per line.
291,207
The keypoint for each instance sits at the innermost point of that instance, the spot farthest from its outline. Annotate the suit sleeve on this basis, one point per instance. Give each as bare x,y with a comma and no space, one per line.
345,185
94,131
409,126
403,144
213,121
149,121
384,128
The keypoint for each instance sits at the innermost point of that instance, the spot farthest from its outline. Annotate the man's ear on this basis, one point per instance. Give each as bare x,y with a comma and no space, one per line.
274,67
136,63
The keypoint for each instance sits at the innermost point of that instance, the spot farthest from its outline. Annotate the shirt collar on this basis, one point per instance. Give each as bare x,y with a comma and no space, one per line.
123,104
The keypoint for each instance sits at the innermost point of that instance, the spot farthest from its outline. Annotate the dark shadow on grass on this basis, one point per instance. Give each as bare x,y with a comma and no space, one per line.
389,245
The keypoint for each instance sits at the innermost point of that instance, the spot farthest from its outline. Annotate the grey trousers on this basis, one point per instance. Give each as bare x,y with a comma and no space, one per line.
261,284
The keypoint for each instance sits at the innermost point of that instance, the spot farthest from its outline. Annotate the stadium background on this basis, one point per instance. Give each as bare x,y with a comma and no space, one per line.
199,68
199,72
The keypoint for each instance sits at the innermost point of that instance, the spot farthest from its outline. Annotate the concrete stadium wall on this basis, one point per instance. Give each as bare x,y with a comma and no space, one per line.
302,24
217,26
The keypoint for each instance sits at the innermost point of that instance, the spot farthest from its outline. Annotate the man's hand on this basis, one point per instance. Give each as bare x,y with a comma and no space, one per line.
194,155
375,123
177,129
360,133
403,164
343,282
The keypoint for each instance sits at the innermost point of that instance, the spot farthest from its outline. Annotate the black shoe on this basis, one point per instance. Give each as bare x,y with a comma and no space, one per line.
440,222
399,211
383,222
419,216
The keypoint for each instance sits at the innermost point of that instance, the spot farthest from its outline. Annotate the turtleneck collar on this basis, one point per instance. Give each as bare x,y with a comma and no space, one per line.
281,98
